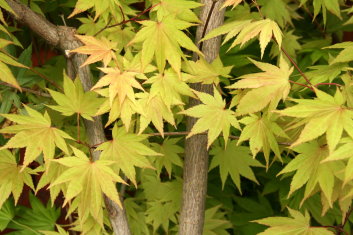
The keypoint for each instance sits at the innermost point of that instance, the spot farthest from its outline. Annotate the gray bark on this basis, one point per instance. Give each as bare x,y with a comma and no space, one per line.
196,154
63,38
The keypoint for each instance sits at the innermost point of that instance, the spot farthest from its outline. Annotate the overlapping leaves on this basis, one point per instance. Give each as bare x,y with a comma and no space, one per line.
213,117
35,133
268,87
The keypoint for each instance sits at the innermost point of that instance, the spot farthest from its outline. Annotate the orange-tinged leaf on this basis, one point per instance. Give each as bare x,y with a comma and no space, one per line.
268,87
99,50
35,133
233,3
121,84
213,117
88,181
127,151
12,177
298,224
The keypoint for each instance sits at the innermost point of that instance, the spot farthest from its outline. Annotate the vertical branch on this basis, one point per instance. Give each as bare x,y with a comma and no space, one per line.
63,38
196,154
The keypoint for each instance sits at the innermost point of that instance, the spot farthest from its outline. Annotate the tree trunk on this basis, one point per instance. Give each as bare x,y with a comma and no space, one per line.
196,153
64,38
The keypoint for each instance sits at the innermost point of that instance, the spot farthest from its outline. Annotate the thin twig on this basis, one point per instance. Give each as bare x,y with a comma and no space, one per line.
78,127
328,83
39,93
300,84
46,78
127,21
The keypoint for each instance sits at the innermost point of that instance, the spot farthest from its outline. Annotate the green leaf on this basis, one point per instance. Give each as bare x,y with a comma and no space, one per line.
7,213
181,9
75,100
39,217
298,224
235,161
162,40
86,182
246,30
204,72
215,222
268,87
325,114
213,117
127,151
261,131
171,155
311,172
35,133
13,177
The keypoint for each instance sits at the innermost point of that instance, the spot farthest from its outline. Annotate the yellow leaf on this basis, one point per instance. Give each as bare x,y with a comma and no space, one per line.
298,224
12,177
121,84
34,131
162,40
325,114
87,182
126,150
233,3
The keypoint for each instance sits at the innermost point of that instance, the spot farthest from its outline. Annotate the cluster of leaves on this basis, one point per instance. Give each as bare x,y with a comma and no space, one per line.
279,121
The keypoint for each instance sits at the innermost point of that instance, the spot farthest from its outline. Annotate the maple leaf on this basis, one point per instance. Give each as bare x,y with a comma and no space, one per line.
181,9
213,116
75,100
7,76
268,87
169,88
12,177
124,111
100,6
281,13
233,3
204,72
170,151
246,30
311,172
155,110
298,224
323,114
163,40
97,49
87,181
127,151
52,171
332,6
262,132
163,199
121,84
215,222
34,131
235,161
345,55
